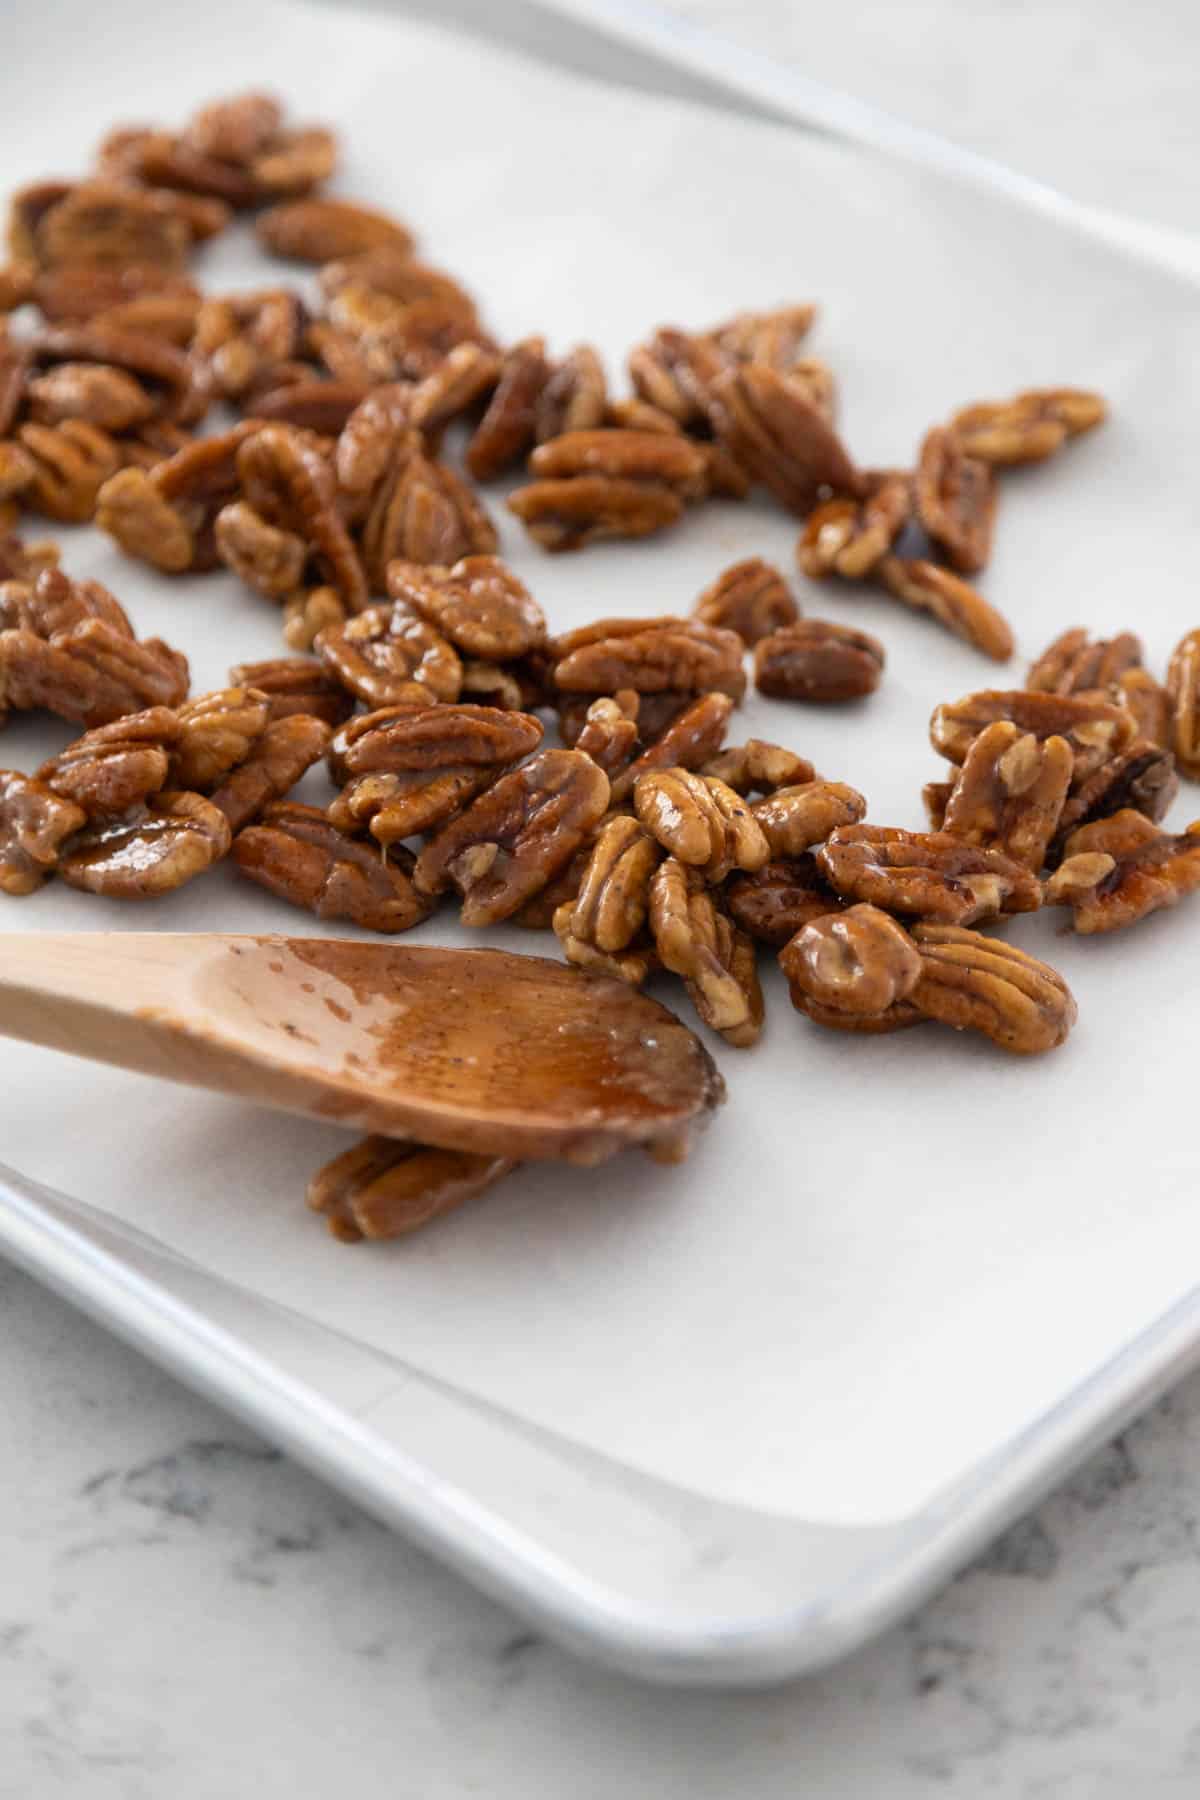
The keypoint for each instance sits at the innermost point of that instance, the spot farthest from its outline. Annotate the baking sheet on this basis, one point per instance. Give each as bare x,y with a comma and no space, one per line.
886,1258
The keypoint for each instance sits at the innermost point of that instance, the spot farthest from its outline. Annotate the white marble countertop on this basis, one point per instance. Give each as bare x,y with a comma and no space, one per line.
184,1612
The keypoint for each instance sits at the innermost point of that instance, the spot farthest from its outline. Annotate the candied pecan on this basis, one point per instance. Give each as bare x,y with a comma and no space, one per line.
858,961
897,1017
687,740
309,612
391,271
56,603
1028,428
779,436
538,912
977,983
295,162
387,1187
71,463
170,317
951,601
929,875
670,461
295,684
91,673
610,732
698,942
423,512
633,966
759,767
579,510
793,819
1142,777
77,293
770,337
491,684
317,231
106,397
375,430
166,375
175,838
296,853
130,507
955,500
1183,694
35,822
273,765
851,537
166,160
321,406
243,336
387,654
287,482
700,821
393,807
573,398
816,661
267,558
216,731
24,562
1118,870
651,656
463,376
935,796
751,598
1010,792
1149,703
115,767
610,907
1073,664
479,605
235,129
1095,727
666,374
509,426
776,901
511,840
103,225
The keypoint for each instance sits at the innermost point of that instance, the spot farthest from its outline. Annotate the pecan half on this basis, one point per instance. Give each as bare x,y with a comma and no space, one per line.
102,225
115,767
272,767
698,942
295,684
56,603
423,512
1010,793
71,462
297,854
949,600
91,673
508,428
216,731
174,839
701,822
759,767
575,398
109,398
267,558
778,900
1074,664
309,612
935,797
851,537
610,908
388,655
1029,428
793,819
977,983
317,231
651,656
1095,727
777,433
579,510
510,841
168,377
388,1187
751,598
479,605
859,961
1121,869
610,732
928,875
633,966
35,823
654,456
1149,703
955,500
819,662
1142,777
289,484
1183,694
690,738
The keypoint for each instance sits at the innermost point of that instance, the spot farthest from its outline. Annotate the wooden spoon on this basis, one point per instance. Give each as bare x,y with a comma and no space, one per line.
469,1049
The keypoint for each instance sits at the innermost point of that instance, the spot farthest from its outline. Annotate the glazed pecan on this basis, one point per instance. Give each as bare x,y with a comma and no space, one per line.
296,853
71,462
91,673
651,656
35,822
216,731
1010,793
759,767
324,407
977,983
109,398
165,517
1149,703
793,819
574,398
610,732
317,231
697,941
1183,694
388,1187
779,899
24,562
463,376
1142,777
653,456
751,598
955,500
491,684
102,225
387,655
267,558
236,129
858,961
935,797
392,271
168,378
1029,428
423,512
55,603
508,428
851,537
633,966
169,316
115,767
309,612
567,514
137,154
928,875
377,428
175,838
610,908
688,739
1121,869
1073,664
295,684
897,1017
701,822
273,765
511,840
289,484
479,605
772,338
775,431
951,601
78,292
816,661
243,337
1095,727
